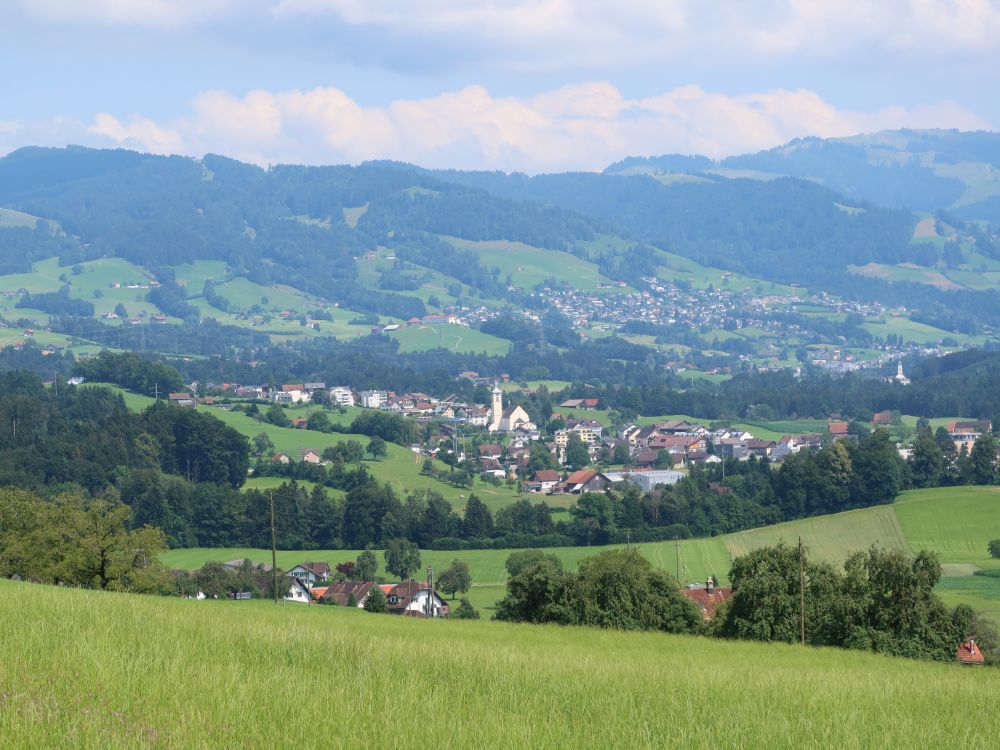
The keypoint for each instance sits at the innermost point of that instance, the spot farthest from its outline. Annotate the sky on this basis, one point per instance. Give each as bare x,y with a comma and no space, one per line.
523,85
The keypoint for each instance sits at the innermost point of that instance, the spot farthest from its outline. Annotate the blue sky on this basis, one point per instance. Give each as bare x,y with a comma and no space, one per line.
531,85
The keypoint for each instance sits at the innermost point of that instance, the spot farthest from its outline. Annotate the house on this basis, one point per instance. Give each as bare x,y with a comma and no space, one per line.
310,456
280,458
760,448
298,592
970,653
546,478
340,592
414,599
837,428
300,423
707,599
586,481
680,427
185,400
882,418
490,450
292,393
310,572
571,403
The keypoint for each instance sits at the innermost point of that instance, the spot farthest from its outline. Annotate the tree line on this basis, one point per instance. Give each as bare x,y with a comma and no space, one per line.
881,601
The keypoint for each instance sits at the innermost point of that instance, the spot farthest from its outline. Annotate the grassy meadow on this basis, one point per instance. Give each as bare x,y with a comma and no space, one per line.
454,338
529,266
90,669
956,523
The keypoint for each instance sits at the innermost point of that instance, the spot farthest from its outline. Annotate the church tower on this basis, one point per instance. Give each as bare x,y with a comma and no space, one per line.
497,408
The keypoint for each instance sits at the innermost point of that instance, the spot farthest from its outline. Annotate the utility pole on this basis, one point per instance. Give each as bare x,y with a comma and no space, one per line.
677,554
156,391
802,596
274,549
430,599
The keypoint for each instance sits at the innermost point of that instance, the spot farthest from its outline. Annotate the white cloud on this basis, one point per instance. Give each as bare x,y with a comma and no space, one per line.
140,133
582,126
165,14
554,34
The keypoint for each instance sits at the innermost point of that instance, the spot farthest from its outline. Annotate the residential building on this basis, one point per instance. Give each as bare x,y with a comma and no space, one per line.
373,399
341,396
310,572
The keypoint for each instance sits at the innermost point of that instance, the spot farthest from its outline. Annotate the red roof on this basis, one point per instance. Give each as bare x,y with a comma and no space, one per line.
969,653
546,475
838,428
580,477
708,601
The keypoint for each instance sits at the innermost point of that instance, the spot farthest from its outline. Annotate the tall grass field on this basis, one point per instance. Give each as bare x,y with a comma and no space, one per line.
86,669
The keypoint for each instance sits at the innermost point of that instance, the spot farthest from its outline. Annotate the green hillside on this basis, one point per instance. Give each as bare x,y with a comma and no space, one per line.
452,337
400,467
529,266
83,671
954,522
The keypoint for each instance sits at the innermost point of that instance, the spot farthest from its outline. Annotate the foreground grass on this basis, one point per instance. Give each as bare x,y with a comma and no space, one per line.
88,669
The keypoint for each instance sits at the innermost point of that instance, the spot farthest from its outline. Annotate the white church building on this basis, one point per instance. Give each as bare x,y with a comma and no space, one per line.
510,419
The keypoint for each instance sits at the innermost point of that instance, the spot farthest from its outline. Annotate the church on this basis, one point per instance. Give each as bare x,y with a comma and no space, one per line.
509,419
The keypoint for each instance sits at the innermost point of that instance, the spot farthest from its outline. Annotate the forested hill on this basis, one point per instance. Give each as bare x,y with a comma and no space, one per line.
922,170
307,226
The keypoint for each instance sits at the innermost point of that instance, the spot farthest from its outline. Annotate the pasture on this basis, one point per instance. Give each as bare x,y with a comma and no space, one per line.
529,266
454,338
956,523
92,669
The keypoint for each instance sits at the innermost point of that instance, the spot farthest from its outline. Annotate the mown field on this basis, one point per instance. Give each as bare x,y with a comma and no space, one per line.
454,338
90,669
955,522
529,266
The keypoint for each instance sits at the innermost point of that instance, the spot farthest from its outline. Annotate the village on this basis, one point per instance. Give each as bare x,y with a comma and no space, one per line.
577,448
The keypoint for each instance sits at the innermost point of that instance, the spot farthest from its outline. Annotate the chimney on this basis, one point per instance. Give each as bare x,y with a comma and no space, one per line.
710,585
972,645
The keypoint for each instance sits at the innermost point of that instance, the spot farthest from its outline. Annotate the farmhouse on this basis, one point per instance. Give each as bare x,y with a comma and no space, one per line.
708,598
340,592
586,481
183,399
414,599
970,653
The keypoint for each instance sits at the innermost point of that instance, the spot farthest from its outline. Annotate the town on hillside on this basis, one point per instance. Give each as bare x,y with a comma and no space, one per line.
571,451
